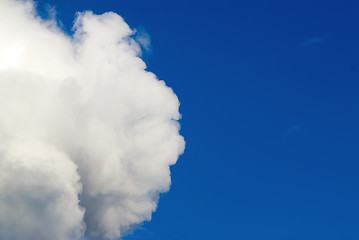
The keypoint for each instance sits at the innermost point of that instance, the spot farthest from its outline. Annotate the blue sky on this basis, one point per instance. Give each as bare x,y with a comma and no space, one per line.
269,98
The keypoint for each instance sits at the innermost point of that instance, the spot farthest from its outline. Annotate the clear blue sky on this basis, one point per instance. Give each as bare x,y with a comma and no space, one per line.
269,94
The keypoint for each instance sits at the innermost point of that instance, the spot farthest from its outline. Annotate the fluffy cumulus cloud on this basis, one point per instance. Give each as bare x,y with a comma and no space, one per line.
87,135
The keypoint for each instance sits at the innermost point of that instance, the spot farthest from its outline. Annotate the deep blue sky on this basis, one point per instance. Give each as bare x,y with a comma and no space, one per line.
269,94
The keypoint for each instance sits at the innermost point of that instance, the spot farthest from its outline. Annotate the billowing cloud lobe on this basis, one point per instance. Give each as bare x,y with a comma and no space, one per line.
86,133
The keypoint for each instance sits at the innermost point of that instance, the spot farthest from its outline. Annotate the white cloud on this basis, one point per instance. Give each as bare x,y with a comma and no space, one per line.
86,133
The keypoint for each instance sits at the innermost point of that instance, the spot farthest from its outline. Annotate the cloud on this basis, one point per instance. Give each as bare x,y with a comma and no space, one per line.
311,41
87,135
294,130
143,38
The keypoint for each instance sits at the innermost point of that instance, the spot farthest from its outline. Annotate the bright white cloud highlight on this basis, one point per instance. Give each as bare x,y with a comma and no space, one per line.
87,135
